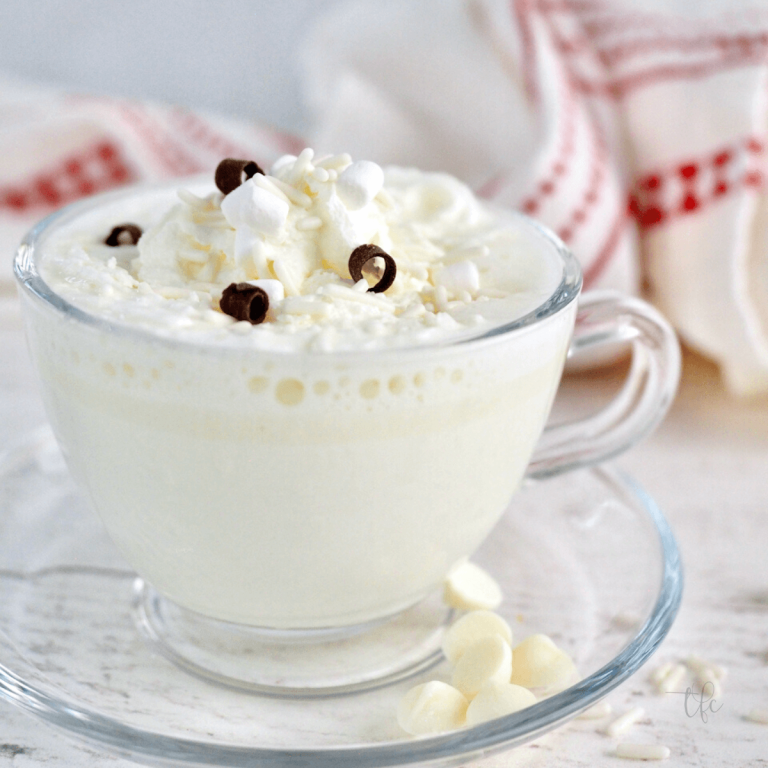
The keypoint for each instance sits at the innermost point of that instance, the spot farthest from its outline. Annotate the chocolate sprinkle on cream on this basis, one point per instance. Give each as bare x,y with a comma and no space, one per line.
244,301
362,255
124,234
231,173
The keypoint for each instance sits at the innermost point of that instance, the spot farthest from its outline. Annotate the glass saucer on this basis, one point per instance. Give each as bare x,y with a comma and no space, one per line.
586,558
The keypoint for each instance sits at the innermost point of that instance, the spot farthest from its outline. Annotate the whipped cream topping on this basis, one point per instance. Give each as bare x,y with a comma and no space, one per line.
461,265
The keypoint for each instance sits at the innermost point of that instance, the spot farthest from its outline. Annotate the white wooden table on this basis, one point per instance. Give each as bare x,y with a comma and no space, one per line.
707,467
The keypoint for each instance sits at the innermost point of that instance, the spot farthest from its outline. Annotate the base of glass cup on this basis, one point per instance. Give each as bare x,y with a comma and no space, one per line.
293,663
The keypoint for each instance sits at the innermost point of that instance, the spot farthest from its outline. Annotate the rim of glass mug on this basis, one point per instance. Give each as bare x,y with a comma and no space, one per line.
28,275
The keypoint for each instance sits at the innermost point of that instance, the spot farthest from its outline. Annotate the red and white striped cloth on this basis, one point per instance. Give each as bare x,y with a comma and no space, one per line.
636,129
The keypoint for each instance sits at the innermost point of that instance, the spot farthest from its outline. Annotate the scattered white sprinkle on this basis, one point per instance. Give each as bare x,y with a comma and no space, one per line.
642,751
758,716
672,680
335,162
625,721
333,174
597,712
269,186
293,194
302,166
320,174
309,223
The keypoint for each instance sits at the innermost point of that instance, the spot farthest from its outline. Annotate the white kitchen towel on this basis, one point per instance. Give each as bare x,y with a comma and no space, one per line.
636,129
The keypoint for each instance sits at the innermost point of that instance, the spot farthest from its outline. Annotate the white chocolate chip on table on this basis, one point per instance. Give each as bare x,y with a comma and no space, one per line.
432,707
538,663
487,660
497,700
471,628
468,587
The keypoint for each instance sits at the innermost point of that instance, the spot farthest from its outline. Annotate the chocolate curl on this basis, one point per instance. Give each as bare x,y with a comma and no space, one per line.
363,254
231,173
123,234
244,301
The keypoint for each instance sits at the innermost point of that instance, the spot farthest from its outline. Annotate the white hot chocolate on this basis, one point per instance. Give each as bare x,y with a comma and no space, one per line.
329,465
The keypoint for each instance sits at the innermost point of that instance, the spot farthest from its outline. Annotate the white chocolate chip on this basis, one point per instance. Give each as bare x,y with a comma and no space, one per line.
758,716
359,184
253,206
460,276
431,708
538,663
496,700
468,587
488,660
471,628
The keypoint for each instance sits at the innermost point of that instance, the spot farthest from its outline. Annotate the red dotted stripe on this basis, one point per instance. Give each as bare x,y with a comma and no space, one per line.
647,201
97,168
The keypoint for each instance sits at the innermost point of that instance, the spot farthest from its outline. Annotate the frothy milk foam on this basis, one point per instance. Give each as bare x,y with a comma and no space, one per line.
329,466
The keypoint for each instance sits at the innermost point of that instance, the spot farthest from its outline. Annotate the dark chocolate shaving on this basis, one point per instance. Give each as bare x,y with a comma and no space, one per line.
244,301
363,254
231,173
123,234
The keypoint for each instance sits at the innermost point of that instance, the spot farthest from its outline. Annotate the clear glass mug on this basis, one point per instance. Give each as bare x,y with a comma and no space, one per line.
319,490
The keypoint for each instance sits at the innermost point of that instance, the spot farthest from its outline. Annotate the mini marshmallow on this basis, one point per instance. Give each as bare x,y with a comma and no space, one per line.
496,700
538,663
359,184
458,277
431,708
253,206
468,588
273,288
488,660
471,628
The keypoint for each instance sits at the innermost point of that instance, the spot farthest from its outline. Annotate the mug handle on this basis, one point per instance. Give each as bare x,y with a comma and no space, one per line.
604,319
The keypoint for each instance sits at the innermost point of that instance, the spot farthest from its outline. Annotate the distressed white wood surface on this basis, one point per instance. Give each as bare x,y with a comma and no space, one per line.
707,467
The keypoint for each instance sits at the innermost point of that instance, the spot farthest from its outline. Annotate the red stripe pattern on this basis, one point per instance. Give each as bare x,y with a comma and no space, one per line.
697,182
96,168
